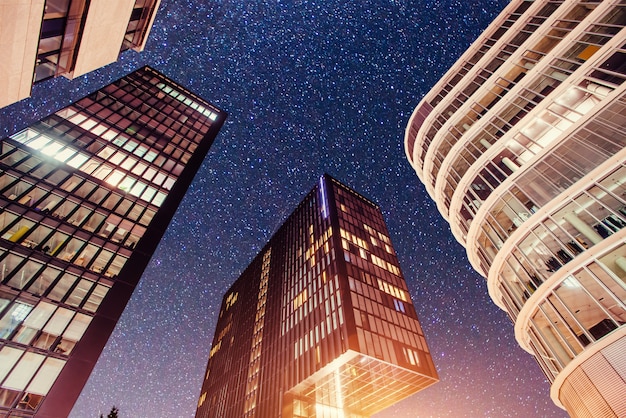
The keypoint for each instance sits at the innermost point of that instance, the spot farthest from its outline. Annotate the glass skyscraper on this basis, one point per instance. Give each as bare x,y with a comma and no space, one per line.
85,195
321,323
522,145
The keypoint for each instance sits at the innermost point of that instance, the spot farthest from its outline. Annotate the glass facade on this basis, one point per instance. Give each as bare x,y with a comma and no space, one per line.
139,24
86,194
62,45
524,155
319,320
61,28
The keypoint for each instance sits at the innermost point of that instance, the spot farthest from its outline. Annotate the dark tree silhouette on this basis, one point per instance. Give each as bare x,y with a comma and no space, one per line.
112,414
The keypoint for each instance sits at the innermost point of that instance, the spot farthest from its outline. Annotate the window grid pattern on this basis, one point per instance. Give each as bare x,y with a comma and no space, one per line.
533,184
460,79
312,309
310,362
252,384
590,146
536,132
139,23
67,230
502,77
387,326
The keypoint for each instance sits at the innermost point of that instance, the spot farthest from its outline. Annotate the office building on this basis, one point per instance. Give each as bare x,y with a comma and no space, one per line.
522,146
50,38
321,323
86,194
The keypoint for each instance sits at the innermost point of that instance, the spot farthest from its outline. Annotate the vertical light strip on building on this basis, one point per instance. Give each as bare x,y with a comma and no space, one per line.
324,198
257,338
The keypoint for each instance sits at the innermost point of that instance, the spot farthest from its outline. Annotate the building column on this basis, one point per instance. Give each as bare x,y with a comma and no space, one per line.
621,263
510,164
582,227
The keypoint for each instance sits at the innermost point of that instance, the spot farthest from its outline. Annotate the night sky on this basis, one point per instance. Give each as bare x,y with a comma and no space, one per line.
311,86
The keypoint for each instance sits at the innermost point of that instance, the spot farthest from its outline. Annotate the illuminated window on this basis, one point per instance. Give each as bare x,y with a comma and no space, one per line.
202,399
215,348
184,99
392,290
8,357
20,376
411,356
46,376
385,265
34,322
13,317
231,299
300,299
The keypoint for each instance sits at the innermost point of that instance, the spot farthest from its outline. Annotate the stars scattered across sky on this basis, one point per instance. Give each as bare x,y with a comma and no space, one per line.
310,86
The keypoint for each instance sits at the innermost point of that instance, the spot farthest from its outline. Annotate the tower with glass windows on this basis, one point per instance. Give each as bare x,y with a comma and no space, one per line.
321,323
50,38
85,195
522,146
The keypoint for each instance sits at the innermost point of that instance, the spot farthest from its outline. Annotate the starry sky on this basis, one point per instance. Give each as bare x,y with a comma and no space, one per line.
311,86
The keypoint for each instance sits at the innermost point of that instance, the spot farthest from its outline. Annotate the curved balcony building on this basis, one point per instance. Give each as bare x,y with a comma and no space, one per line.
522,146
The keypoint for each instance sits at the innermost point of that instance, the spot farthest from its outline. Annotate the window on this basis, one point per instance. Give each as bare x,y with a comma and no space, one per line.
399,306
20,376
24,274
62,286
411,356
73,333
300,299
8,358
96,297
13,318
43,281
34,322
79,293
46,376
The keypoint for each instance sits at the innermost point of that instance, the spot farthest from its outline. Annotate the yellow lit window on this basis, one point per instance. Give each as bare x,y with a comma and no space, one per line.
300,299
231,299
392,290
215,349
202,399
